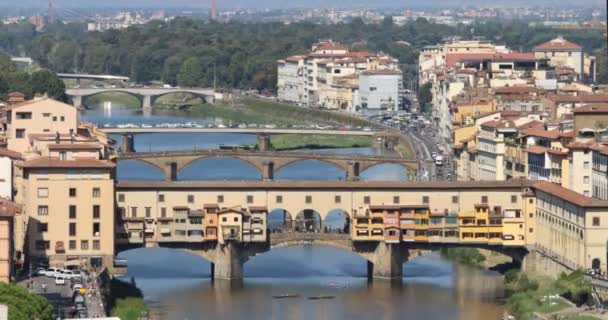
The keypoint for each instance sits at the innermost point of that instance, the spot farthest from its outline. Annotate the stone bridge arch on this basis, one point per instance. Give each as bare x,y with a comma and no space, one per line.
205,98
79,100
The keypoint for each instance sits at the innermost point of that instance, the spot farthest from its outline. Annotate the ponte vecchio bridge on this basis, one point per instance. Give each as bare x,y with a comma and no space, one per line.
228,223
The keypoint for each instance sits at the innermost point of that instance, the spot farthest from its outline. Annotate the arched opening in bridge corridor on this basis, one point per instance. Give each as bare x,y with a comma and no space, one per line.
596,264
138,170
179,100
219,169
308,221
280,221
112,100
310,170
385,172
337,221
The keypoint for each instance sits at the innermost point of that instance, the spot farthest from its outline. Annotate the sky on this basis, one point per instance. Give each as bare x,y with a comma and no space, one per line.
288,3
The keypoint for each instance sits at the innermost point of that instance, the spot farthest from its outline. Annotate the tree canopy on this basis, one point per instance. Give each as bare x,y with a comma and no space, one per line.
244,55
23,305
39,82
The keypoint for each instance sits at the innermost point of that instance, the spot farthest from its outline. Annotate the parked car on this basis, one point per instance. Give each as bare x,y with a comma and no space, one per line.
60,280
40,271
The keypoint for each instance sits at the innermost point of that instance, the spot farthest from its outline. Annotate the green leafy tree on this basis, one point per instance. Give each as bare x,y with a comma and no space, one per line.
46,82
129,309
191,73
23,305
425,97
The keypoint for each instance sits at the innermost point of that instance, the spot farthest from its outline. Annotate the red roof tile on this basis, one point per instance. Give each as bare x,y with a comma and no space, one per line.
594,108
4,152
454,58
52,162
74,146
557,44
541,132
568,195
517,89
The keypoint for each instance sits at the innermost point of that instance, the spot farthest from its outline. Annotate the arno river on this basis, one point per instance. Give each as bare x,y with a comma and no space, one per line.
176,284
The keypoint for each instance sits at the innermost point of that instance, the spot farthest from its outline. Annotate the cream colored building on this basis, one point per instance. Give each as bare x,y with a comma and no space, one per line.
572,227
38,116
561,52
8,210
68,209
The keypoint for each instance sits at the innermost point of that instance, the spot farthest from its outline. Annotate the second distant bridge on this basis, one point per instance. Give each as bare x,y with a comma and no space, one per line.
266,162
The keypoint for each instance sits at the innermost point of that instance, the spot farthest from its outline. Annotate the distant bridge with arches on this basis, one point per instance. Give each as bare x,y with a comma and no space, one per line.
266,162
147,96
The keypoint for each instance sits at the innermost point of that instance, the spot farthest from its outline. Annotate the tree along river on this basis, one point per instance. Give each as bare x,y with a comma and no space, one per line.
176,284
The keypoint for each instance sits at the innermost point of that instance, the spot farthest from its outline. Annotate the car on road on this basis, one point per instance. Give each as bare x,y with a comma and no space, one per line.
60,280
52,272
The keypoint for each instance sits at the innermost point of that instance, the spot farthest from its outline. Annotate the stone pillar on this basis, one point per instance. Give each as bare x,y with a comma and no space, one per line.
172,171
228,264
268,170
127,143
264,142
352,173
77,101
147,102
387,261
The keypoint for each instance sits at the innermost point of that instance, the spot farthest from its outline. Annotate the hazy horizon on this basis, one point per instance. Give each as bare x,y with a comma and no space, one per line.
286,4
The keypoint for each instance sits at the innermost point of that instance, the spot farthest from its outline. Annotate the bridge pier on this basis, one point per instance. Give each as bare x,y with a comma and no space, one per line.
77,101
264,142
386,261
228,262
268,170
171,171
352,174
127,143
146,102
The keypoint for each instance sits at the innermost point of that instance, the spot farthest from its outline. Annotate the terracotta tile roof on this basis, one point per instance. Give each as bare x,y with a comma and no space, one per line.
568,195
330,46
541,150
318,185
454,58
536,149
517,89
567,134
581,145
594,108
603,149
210,205
591,98
557,44
499,124
4,152
257,208
74,146
52,162
485,114
32,101
541,132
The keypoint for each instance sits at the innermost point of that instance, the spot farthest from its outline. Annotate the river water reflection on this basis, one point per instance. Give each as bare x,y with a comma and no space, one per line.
176,284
